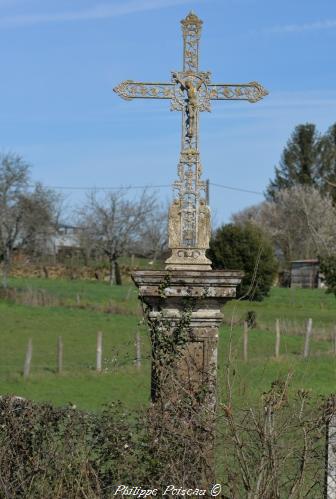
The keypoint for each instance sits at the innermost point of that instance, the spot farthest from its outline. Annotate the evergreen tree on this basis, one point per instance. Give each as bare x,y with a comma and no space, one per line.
327,163
299,163
245,248
328,267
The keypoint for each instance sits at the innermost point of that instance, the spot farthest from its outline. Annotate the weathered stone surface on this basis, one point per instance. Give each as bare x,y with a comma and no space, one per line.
168,294
185,257
204,225
189,259
331,459
174,224
184,391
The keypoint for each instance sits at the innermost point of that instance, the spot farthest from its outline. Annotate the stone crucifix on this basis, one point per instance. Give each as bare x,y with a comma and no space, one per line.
183,302
190,91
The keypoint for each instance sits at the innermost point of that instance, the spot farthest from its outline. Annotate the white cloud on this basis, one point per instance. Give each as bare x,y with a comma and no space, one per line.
298,28
102,11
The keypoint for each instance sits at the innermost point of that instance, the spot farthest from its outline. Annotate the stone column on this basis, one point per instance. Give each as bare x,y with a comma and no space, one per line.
330,492
184,306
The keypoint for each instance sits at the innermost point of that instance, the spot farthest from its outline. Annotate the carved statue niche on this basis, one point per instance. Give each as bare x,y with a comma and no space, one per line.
204,225
174,224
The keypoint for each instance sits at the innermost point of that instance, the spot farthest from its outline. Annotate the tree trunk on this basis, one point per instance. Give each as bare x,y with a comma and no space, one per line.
118,275
85,257
155,256
4,277
6,267
115,275
112,271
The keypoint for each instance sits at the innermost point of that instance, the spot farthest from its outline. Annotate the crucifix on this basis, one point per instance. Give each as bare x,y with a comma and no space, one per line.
190,91
186,298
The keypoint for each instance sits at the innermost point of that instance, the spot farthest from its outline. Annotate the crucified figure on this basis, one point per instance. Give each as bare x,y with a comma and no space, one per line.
191,102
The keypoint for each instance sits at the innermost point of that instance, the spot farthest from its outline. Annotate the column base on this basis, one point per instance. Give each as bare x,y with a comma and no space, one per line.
188,259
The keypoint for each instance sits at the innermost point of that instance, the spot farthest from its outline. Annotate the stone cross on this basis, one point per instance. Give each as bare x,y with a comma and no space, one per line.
190,91
183,302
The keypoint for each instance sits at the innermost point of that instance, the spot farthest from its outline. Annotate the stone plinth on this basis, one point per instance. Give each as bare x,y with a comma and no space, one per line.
183,310
196,298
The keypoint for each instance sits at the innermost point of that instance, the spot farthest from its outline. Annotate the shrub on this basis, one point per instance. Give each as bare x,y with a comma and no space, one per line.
245,248
328,267
63,452
275,449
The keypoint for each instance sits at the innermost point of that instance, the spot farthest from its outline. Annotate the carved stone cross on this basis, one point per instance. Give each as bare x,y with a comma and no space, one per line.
190,91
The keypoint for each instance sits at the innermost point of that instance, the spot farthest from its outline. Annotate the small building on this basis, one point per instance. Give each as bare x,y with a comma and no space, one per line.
306,274
65,240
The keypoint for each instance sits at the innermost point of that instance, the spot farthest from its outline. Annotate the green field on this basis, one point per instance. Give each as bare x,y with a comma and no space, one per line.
76,310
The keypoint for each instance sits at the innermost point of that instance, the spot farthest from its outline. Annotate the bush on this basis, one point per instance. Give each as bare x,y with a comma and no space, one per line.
276,449
48,452
251,319
57,453
328,268
245,248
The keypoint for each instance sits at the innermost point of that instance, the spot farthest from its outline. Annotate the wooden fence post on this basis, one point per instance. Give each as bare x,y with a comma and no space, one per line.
99,351
28,359
309,330
59,355
277,338
330,479
245,341
137,349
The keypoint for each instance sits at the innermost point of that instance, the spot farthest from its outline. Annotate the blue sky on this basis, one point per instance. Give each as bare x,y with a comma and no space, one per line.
61,59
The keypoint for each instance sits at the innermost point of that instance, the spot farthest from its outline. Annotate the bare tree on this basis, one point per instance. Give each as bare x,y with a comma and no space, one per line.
114,223
26,216
86,238
41,212
14,175
154,237
300,220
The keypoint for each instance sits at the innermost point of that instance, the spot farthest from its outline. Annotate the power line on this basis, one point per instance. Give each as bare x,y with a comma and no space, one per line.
162,186
95,188
237,189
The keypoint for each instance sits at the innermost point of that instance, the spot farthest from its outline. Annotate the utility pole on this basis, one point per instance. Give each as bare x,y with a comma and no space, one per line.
207,191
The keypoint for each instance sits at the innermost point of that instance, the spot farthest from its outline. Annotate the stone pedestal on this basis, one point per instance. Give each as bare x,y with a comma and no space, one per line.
183,309
169,294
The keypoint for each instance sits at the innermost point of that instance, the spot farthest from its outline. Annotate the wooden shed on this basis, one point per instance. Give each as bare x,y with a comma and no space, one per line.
306,274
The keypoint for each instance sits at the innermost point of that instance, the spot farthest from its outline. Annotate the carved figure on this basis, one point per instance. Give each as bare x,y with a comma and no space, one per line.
174,224
204,225
191,102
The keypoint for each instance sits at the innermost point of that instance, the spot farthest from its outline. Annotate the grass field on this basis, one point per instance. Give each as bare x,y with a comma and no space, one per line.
89,292
81,308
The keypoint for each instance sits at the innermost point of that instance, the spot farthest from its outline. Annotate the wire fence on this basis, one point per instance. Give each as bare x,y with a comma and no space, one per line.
58,355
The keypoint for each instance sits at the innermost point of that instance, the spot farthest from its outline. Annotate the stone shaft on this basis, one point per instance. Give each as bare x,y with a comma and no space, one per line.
183,310
331,459
168,295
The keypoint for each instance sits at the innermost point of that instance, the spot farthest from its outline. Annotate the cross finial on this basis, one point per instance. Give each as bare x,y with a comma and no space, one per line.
191,18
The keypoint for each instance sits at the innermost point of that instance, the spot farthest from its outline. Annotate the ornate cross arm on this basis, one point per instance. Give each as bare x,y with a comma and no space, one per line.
130,89
251,92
